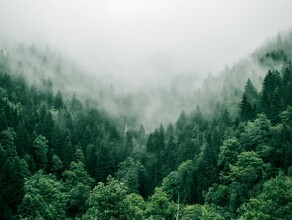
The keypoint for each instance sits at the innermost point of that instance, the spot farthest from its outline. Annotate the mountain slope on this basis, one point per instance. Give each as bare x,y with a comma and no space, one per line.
65,158
155,101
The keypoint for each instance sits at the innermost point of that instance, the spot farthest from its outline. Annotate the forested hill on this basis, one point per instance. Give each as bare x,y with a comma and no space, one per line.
64,158
149,102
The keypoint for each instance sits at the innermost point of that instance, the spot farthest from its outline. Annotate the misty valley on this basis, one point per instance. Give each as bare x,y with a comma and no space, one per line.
75,144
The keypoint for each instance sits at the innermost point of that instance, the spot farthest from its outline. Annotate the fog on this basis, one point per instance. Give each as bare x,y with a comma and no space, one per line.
154,53
135,38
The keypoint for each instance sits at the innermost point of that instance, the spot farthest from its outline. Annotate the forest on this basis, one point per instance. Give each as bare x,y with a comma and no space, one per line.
62,157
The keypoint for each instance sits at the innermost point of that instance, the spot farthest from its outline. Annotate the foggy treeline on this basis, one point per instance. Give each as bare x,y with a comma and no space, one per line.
148,102
81,145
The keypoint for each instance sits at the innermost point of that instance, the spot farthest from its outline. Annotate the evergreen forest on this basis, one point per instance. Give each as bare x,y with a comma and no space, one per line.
230,157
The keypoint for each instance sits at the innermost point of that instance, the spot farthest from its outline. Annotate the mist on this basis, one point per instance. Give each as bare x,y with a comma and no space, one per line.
154,53
137,39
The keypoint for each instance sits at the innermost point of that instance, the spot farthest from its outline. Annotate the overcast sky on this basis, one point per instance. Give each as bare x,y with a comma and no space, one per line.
142,36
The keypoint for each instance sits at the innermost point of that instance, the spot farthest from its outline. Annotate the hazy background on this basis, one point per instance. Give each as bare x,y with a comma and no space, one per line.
137,39
145,59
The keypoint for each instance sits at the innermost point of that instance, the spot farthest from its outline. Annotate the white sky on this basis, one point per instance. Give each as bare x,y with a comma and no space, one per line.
148,36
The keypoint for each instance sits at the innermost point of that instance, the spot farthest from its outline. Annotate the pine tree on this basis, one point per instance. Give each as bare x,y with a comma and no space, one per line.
58,101
250,92
40,146
271,82
246,110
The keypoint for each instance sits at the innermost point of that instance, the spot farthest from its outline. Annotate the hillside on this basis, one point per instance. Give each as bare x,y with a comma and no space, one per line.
152,101
74,147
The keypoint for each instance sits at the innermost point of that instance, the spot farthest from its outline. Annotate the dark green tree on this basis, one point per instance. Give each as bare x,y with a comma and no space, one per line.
159,206
57,165
130,173
58,101
274,202
109,201
44,198
40,146
77,185
251,93
246,110
271,86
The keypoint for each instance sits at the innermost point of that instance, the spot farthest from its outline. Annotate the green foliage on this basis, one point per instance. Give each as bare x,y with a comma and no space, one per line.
248,105
210,213
58,102
239,182
219,163
256,133
197,212
77,185
179,184
159,206
130,173
275,201
57,165
13,170
40,146
190,212
228,153
137,205
39,132
248,168
217,195
44,198
251,93
78,155
109,201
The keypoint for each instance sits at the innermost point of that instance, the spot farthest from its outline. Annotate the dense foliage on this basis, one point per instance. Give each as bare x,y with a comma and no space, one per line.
62,158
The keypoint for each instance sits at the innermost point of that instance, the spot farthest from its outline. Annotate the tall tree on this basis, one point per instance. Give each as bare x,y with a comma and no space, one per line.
130,173
78,185
250,92
40,146
246,110
109,201
271,82
44,198
58,101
